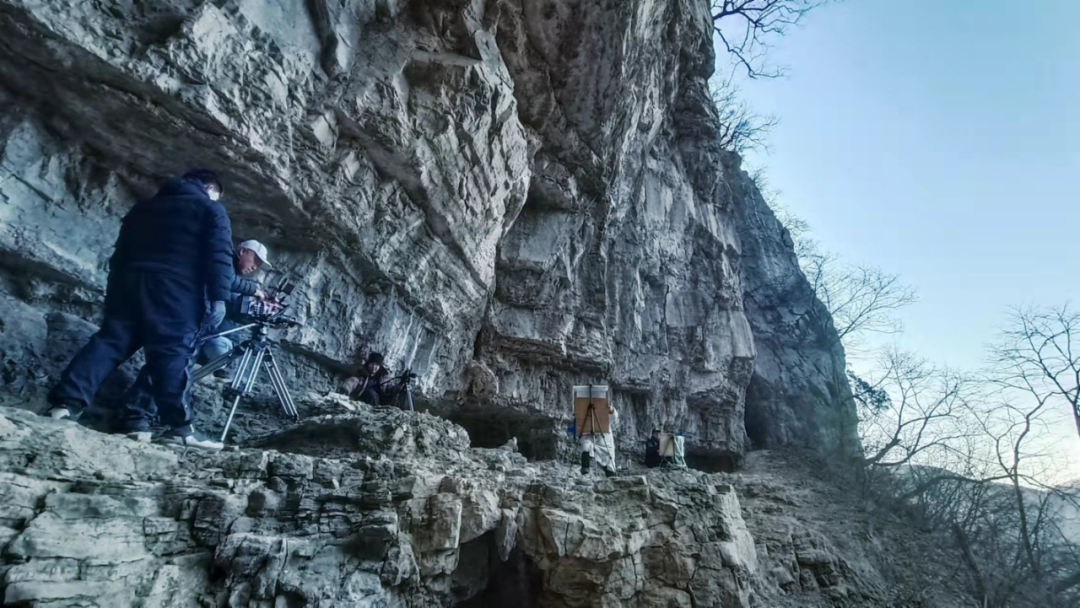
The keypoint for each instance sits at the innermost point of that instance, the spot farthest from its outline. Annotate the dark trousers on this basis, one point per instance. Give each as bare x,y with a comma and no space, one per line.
155,312
363,389
369,396
140,411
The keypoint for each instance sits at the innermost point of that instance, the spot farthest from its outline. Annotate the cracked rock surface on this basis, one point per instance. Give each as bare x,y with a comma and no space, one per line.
380,508
402,514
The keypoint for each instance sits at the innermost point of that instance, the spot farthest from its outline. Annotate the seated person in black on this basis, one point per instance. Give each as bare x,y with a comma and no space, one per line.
367,383
652,450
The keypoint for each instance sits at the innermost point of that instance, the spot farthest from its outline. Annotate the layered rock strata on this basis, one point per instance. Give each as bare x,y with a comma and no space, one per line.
397,512
380,508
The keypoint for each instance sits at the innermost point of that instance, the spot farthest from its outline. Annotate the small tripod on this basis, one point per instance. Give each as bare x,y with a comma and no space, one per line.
593,420
404,389
254,352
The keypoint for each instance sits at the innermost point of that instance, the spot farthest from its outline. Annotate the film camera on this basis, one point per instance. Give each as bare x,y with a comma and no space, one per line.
272,309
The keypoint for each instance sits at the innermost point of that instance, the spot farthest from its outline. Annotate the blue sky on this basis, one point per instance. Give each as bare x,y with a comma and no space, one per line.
937,139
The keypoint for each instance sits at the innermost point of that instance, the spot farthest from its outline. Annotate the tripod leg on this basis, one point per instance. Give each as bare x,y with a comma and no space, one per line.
220,363
275,384
228,423
248,375
408,398
253,371
242,370
277,381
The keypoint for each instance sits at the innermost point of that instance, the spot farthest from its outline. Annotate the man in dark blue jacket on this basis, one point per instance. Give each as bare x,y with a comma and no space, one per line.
170,274
141,412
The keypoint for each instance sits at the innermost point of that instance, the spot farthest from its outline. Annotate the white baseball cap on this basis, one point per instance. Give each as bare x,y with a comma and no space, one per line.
260,252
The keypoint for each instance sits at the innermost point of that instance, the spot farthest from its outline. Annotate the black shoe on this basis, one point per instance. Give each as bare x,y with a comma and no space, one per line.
609,472
585,460
189,438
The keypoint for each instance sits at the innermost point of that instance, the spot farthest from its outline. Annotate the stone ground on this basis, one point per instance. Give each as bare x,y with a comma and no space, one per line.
380,508
848,552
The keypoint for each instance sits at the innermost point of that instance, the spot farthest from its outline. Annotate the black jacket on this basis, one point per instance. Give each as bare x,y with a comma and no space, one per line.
652,452
240,287
179,232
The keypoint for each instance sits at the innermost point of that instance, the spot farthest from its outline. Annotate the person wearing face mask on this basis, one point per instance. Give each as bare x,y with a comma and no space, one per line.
140,412
169,276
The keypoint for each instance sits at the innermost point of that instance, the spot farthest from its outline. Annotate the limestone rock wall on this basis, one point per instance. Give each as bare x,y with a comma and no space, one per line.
511,196
799,368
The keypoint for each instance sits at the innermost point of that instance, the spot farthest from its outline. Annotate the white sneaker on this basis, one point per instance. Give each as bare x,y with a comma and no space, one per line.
191,439
58,413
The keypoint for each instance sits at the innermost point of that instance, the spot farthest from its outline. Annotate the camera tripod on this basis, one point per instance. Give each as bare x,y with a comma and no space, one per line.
255,352
403,385
404,389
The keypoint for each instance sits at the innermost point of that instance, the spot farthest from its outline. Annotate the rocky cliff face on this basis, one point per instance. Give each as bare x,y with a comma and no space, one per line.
511,196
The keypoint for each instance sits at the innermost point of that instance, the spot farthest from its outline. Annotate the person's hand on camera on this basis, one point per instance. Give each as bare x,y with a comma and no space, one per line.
216,314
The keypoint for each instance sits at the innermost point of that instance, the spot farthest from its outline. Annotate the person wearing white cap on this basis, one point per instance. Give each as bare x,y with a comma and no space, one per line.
251,256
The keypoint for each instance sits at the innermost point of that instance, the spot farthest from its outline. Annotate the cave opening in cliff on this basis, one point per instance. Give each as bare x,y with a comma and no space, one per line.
713,461
483,580
491,427
755,417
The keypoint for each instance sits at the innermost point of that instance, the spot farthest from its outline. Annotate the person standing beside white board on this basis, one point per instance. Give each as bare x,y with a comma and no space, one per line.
595,419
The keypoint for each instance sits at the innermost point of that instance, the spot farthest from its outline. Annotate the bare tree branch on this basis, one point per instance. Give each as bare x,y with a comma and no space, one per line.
963,452
860,299
1036,357
745,27
741,129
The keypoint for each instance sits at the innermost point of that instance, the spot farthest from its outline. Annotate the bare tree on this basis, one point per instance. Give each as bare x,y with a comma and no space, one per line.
1037,357
911,414
745,27
964,457
798,230
741,129
1024,558
860,299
